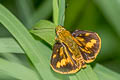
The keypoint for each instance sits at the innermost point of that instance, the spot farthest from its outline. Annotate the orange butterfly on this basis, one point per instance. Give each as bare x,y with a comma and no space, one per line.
71,52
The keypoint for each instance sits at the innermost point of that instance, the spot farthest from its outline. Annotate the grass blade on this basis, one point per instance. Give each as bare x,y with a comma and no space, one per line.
11,47
61,12
4,76
106,74
87,74
55,11
34,51
23,73
11,57
44,27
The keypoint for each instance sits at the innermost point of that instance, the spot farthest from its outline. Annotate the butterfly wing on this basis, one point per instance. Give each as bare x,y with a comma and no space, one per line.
89,44
61,62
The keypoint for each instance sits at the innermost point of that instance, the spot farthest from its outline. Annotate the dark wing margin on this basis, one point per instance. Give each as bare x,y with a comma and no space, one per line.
60,62
90,44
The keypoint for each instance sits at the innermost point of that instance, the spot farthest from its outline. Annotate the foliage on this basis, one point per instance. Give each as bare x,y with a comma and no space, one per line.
26,39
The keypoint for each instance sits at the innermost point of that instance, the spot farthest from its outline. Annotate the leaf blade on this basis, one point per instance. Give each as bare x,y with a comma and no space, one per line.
61,16
106,74
45,30
11,47
30,46
55,11
23,73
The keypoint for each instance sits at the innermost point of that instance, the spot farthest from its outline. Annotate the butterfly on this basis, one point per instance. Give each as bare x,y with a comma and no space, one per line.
71,52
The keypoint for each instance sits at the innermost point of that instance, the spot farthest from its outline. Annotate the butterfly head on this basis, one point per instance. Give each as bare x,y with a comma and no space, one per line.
59,30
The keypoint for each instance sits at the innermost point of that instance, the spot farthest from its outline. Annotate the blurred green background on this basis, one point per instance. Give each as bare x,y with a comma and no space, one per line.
101,16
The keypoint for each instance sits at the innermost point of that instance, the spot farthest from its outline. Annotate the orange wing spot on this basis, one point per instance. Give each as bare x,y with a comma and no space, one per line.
91,43
54,56
61,51
63,62
85,50
80,35
81,39
87,34
58,65
70,61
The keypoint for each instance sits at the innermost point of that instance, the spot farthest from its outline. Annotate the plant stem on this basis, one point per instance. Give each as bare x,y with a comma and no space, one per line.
61,12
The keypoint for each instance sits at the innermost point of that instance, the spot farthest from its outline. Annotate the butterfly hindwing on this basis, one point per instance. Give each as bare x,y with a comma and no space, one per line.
61,62
90,44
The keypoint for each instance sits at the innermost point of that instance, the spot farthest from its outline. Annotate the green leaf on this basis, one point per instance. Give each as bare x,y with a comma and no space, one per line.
106,74
45,30
61,13
111,10
87,74
11,57
4,76
17,71
35,52
55,11
11,47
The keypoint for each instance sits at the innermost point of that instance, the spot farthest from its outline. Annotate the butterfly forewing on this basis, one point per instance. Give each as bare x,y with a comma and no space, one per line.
61,62
90,44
